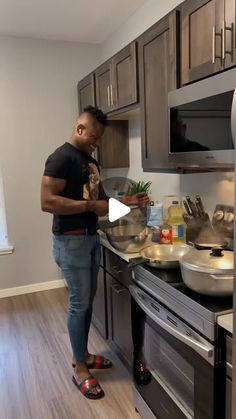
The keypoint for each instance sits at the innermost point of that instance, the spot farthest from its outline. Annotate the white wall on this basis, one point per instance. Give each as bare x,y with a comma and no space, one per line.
38,105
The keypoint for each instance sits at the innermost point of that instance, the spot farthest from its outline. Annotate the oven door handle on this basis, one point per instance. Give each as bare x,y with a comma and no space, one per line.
141,298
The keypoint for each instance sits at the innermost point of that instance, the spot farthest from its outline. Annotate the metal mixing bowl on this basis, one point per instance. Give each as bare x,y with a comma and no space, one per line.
130,238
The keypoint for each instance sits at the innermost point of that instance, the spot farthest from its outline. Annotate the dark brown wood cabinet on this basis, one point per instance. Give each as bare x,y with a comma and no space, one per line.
86,92
119,306
119,318
114,149
112,305
103,87
99,318
207,38
124,67
158,70
116,81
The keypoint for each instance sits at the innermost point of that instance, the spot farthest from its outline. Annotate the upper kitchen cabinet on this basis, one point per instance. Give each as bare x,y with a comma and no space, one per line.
125,77
104,93
114,149
116,81
158,70
86,92
207,38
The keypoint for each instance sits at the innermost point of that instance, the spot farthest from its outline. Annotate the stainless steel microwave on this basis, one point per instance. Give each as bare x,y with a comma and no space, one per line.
202,122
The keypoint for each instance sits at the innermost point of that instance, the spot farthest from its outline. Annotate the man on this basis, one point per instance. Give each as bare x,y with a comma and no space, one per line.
71,190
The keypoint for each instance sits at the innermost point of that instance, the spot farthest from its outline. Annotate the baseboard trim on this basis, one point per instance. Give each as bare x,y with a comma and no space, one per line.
27,289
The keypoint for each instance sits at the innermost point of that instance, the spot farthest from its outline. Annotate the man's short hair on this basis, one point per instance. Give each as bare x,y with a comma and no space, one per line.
97,114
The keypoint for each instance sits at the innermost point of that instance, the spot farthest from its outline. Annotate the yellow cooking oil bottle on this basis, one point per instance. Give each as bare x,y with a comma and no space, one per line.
175,219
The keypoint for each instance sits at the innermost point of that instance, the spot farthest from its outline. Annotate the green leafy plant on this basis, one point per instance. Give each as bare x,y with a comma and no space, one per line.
141,186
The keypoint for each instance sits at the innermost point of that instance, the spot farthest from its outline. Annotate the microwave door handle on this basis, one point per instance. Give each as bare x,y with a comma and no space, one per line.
233,117
205,351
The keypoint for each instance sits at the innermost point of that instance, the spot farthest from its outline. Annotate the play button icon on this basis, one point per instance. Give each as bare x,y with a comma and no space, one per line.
116,209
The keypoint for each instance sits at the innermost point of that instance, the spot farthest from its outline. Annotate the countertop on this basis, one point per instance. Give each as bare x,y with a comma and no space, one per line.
226,321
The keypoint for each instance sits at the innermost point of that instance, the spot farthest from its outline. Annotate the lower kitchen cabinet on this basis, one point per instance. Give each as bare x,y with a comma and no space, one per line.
99,318
228,385
112,305
119,319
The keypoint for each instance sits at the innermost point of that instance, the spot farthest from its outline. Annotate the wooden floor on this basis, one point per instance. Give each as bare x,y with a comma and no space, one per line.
35,371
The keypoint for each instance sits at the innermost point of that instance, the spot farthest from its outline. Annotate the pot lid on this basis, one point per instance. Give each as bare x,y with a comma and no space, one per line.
214,261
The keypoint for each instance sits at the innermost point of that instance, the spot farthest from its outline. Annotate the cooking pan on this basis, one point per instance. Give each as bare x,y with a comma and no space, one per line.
209,272
160,256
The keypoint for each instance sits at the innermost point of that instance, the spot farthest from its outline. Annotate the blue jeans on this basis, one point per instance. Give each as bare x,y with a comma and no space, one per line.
79,258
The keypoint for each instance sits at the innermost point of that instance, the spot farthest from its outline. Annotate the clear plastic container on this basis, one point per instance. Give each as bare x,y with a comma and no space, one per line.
175,219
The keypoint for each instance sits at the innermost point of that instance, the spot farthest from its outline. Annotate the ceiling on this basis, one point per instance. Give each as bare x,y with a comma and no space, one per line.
65,20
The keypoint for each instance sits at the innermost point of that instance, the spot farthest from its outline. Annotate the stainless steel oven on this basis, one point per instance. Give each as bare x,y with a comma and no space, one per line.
184,365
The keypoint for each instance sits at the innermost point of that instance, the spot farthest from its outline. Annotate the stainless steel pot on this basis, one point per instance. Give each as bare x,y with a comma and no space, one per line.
130,238
208,272
161,256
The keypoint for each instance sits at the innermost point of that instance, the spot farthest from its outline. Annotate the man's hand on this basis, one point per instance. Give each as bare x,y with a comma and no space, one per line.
140,198
100,207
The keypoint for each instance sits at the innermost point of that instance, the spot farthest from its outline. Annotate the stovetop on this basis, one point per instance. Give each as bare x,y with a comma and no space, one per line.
197,310
174,279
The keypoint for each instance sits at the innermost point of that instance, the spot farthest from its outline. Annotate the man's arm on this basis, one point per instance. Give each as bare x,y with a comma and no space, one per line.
53,202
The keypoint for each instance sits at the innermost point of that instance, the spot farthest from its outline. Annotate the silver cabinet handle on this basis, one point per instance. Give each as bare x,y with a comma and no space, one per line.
108,96
213,45
233,118
224,51
223,41
112,99
205,350
214,35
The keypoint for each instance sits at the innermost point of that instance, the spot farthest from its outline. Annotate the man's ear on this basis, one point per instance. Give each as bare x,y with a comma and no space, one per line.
80,129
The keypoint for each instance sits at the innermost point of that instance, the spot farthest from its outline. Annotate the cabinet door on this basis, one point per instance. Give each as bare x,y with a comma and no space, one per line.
114,149
158,75
103,87
229,33
124,77
201,39
228,407
120,319
86,92
99,318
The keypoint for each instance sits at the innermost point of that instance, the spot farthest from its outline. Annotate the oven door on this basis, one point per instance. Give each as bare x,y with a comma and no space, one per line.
182,364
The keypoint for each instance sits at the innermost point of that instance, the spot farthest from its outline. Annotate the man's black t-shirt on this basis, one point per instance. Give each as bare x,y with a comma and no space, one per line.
68,163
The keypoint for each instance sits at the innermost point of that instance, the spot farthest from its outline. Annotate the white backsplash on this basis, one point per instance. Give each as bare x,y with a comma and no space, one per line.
214,188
